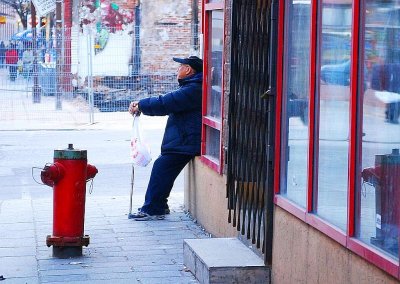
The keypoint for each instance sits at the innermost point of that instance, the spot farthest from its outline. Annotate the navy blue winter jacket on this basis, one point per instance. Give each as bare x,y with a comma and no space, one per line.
183,106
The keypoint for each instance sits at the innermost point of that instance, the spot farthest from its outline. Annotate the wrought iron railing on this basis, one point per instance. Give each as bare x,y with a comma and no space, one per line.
249,189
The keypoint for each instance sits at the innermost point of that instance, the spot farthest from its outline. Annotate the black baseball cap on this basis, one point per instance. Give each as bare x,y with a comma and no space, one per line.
193,61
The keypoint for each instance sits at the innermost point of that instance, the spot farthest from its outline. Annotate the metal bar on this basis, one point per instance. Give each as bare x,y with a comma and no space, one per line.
90,43
36,90
269,194
232,111
58,51
250,99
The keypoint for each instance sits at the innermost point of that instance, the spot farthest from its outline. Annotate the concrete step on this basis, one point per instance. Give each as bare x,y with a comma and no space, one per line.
223,260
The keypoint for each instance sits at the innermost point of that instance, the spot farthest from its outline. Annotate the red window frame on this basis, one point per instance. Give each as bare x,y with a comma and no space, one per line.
209,121
348,238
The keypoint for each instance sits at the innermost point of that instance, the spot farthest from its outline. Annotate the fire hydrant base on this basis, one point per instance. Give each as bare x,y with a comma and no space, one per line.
67,241
67,252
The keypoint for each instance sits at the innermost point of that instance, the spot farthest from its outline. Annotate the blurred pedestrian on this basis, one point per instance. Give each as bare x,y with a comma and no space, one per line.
20,48
11,57
27,62
181,141
2,53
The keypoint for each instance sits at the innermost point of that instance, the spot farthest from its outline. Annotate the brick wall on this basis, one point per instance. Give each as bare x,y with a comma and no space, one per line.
166,32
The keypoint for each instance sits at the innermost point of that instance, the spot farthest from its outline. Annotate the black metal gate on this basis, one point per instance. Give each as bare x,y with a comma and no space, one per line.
249,169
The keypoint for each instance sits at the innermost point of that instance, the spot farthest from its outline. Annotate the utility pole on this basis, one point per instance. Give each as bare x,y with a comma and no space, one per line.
67,38
136,55
36,89
195,25
59,67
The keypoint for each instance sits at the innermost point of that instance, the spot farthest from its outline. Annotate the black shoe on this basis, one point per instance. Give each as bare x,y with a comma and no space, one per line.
142,216
167,211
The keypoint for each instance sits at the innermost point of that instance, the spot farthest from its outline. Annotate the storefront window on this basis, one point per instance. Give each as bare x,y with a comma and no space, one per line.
215,65
213,88
344,180
334,43
213,144
295,136
378,193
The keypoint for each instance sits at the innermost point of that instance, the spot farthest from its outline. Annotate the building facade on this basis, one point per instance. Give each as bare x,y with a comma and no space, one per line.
8,23
331,163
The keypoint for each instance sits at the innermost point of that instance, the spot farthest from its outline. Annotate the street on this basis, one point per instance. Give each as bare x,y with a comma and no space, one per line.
23,152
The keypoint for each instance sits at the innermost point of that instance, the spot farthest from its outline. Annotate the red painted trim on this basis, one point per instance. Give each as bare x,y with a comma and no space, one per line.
291,207
278,111
316,102
374,256
210,163
209,121
221,124
360,104
327,228
205,78
311,105
213,6
203,16
353,118
311,219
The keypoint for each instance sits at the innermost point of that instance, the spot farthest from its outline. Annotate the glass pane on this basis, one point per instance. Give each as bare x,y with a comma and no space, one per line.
214,1
215,64
296,92
378,196
334,97
213,143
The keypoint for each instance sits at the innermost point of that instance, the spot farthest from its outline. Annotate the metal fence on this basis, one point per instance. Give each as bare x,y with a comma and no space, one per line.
81,75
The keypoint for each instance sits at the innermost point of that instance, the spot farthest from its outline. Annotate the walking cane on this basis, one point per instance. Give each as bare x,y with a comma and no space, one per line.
130,216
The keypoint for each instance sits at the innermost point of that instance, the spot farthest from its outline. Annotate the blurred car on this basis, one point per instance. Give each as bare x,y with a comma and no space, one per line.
336,74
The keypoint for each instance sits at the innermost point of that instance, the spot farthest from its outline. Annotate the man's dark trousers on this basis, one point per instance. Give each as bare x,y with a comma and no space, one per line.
165,170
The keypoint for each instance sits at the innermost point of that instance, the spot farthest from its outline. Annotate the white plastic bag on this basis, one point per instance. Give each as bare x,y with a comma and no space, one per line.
140,151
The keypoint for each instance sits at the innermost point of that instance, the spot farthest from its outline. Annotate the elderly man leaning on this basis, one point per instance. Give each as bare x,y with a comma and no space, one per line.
181,141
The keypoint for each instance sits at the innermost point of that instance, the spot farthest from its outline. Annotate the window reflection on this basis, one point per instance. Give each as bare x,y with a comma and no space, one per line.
378,195
213,143
296,91
334,97
215,65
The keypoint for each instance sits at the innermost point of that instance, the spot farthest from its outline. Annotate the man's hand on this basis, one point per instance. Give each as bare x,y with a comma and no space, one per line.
134,108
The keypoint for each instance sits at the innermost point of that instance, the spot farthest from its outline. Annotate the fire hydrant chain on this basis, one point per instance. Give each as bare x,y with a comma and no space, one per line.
91,185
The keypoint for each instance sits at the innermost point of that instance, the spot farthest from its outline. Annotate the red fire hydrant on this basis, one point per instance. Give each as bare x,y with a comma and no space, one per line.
385,177
68,176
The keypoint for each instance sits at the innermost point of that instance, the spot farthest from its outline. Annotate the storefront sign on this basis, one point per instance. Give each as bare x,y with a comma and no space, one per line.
43,7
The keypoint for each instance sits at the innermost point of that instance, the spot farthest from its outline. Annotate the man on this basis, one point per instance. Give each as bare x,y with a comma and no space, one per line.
27,62
181,141
11,57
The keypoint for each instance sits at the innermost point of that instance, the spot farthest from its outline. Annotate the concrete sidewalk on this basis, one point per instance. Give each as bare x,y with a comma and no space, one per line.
120,250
